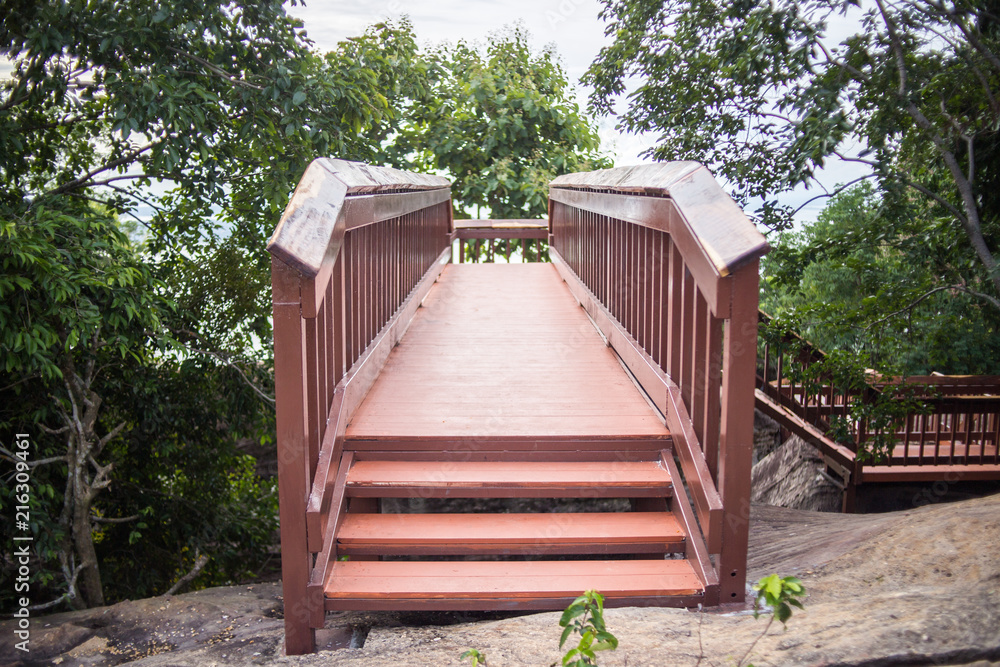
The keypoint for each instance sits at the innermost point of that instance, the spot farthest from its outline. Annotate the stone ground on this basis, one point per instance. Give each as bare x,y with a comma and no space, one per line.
919,587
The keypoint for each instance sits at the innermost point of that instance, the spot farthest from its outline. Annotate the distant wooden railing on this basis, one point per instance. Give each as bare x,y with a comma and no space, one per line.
354,254
956,420
490,237
667,266
961,425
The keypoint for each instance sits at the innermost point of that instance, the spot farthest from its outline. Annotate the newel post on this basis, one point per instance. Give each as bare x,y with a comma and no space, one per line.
736,433
293,465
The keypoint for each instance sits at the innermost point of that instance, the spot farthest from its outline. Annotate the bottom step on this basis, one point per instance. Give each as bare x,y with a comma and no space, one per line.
486,585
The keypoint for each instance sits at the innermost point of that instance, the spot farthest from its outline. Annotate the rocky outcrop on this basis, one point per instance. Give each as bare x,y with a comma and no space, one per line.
793,476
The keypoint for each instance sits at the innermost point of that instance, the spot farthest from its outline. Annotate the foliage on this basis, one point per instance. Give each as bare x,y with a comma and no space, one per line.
779,594
501,123
193,122
145,156
874,414
75,299
759,92
474,657
585,617
884,284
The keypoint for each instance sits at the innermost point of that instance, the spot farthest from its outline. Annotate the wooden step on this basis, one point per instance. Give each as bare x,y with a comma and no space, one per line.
501,534
372,585
508,479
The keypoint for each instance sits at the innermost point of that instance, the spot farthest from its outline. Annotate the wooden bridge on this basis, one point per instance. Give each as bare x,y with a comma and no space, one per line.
616,381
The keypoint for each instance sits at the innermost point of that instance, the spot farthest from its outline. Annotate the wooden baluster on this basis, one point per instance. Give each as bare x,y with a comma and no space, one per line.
699,366
687,338
675,292
736,433
713,383
338,319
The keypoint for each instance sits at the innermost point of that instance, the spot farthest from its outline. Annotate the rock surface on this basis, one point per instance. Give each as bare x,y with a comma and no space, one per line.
792,475
920,587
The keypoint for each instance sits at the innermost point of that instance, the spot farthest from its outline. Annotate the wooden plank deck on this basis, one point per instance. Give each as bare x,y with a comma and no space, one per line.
504,351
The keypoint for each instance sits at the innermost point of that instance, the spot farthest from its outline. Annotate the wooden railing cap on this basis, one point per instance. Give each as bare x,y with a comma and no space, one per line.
303,236
727,236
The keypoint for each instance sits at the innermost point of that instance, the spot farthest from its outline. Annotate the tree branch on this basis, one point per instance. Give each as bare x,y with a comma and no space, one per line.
257,390
986,297
912,304
83,180
836,191
8,455
232,78
199,565
104,519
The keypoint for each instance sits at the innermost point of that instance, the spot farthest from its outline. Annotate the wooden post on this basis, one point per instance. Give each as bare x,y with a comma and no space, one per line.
736,433
293,463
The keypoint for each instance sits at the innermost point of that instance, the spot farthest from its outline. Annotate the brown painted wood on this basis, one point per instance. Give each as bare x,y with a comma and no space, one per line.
515,533
695,549
666,396
293,464
350,392
931,473
508,479
617,447
499,603
502,349
736,432
318,505
839,453
509,580
663,215
328,553
721,228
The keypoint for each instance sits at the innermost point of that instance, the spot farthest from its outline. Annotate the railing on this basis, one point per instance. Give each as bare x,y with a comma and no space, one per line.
355,252
941,421
960,424
667,266
485,238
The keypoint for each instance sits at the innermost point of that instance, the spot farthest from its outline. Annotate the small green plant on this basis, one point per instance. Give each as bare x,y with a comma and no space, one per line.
585,616
475,657
779,594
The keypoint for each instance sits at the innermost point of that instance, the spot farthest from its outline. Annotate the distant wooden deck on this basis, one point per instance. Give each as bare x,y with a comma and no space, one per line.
504,352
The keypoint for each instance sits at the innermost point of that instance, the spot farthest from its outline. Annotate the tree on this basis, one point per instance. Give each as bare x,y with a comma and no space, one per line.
195,121
501,123
758,92
886,284
74,299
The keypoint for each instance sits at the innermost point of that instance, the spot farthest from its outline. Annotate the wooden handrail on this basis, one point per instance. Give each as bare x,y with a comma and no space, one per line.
352,257
666,264
522,230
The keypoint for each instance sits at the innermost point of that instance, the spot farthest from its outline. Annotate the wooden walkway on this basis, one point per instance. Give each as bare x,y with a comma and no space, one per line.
503,352
404,376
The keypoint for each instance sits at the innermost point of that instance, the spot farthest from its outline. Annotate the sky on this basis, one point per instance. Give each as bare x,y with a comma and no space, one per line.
573,26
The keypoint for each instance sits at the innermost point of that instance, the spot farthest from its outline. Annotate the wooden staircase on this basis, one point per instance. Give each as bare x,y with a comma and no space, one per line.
401,374
518,560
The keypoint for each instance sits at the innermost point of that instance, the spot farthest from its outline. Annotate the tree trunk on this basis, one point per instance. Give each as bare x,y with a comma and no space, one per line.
91,589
